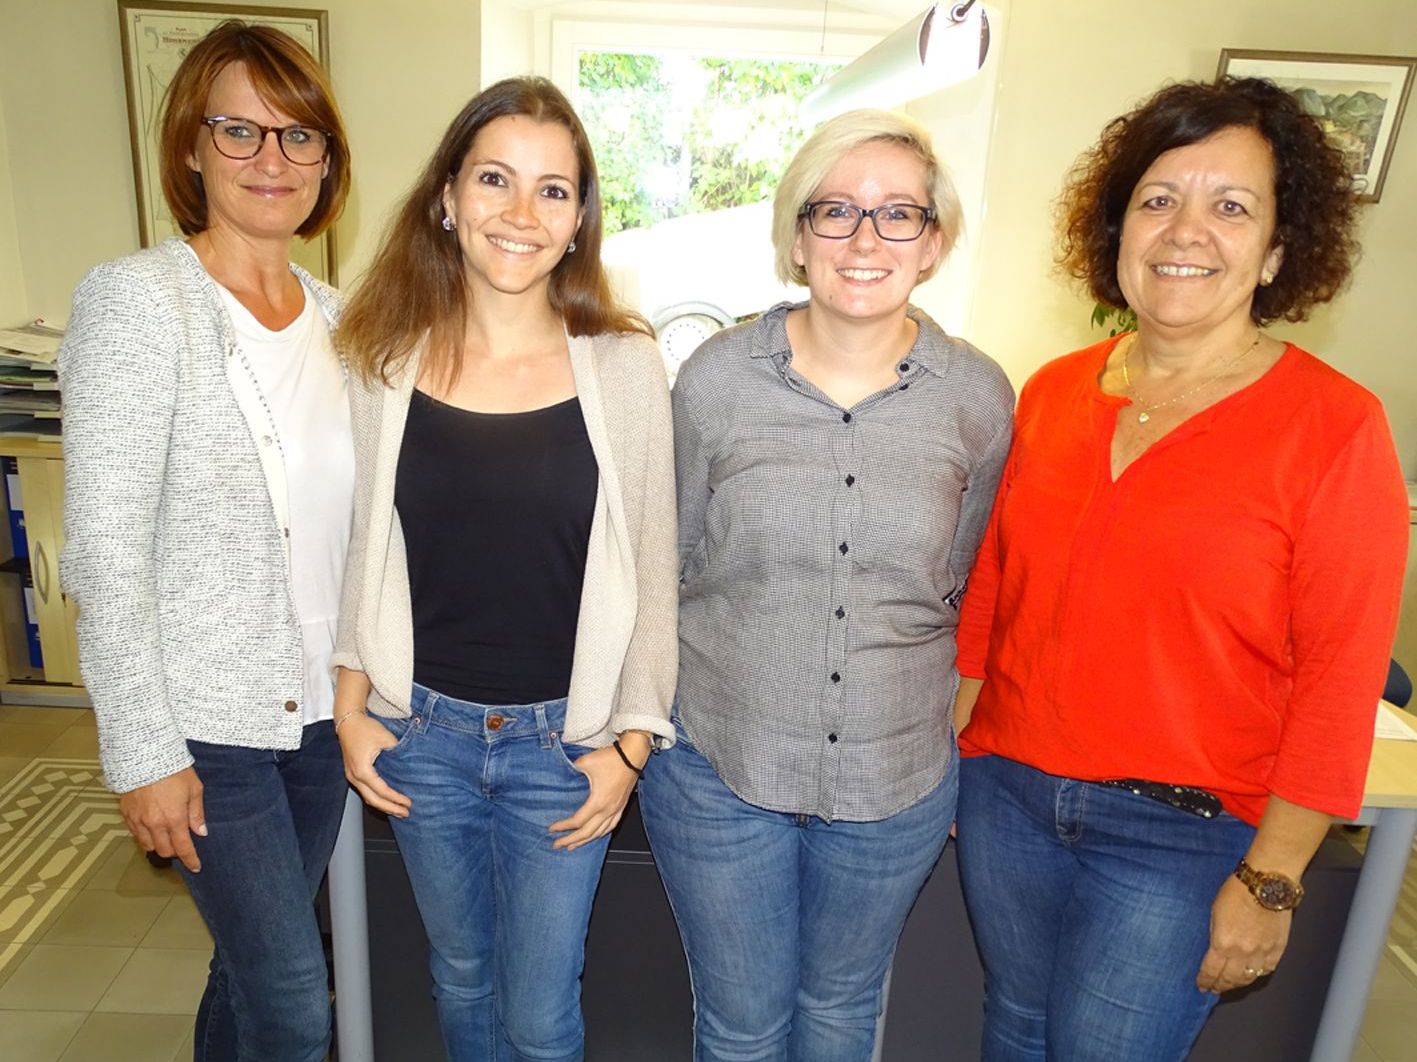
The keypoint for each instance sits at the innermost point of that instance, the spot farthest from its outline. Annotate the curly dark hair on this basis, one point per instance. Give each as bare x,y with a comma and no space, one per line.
1316,207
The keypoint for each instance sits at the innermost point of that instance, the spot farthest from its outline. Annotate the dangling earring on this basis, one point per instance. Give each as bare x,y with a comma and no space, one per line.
572,248
448,225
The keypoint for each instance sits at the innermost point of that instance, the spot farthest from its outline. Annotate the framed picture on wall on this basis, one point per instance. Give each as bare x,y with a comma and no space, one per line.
1358,98
156,35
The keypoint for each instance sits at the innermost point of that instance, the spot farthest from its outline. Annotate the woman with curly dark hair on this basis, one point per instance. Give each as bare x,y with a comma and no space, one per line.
1178,626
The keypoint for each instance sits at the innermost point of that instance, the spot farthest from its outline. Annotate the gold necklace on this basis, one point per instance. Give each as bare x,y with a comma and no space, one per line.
1145,412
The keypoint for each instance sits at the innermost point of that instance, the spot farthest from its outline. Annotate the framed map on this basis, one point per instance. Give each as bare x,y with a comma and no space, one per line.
156,35
1359,100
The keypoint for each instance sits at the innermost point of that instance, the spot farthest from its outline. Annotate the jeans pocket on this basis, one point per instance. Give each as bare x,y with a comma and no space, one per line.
401,728
568,754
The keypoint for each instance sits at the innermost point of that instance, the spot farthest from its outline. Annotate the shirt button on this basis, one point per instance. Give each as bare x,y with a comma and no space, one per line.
291,706
836,676
843,548
846,418
266,440
494,722
840,612
850,479
904,387
831,738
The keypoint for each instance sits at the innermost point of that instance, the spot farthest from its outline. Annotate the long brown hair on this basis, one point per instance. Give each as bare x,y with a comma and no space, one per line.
286,77
415,285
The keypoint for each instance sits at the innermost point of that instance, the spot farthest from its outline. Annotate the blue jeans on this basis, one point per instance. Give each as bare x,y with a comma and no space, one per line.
506,915
1091,908
272,819
789,923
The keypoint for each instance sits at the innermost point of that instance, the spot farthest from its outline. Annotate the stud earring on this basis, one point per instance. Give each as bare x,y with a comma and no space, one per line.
447,223
572,248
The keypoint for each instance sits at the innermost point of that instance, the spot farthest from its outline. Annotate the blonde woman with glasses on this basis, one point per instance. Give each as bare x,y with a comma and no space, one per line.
836,464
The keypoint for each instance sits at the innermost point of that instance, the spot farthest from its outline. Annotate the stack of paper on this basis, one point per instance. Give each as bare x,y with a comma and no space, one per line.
29,382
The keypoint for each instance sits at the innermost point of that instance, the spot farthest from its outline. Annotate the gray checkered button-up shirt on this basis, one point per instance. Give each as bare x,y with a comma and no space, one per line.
823,552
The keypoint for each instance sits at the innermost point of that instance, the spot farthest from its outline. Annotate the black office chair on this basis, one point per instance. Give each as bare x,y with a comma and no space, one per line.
1398,690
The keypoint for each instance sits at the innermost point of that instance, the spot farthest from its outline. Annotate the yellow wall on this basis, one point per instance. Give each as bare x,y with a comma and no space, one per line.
1070,66
399,78
13,303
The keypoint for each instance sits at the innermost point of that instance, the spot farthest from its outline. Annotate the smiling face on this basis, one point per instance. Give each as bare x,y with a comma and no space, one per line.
514,204
865,277
1198,235
264,197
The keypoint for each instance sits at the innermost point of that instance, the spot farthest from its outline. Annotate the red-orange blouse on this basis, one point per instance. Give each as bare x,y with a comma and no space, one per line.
1220,616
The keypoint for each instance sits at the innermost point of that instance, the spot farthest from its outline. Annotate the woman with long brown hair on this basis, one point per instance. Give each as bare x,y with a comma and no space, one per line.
507,644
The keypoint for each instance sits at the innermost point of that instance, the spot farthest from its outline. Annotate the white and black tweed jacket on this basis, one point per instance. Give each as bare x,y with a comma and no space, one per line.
174,517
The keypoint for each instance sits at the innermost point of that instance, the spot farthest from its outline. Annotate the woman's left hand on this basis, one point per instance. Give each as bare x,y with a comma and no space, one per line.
1246,940
611,784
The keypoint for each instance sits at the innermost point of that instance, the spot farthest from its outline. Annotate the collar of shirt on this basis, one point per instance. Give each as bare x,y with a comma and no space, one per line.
933,349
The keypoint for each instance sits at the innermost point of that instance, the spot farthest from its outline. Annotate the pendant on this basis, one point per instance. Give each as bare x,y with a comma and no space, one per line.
1143,417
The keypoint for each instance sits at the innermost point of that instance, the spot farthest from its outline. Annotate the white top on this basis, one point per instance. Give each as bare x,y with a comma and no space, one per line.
303,386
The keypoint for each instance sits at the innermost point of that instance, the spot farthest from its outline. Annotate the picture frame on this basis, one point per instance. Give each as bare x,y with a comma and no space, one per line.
155,36
1360,99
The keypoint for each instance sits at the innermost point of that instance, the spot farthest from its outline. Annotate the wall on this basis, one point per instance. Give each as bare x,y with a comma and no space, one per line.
1069,67
507,40
13,302
399,80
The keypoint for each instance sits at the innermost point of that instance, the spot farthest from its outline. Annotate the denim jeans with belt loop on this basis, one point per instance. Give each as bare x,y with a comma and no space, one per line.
506,915
272,818
1091,908
789,922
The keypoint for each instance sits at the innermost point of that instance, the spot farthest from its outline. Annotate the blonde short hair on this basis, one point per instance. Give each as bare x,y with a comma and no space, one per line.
830,144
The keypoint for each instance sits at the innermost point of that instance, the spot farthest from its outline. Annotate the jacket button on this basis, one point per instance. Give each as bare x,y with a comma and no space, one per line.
291,706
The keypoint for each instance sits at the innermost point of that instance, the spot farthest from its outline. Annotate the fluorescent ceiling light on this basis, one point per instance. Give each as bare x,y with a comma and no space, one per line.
942,45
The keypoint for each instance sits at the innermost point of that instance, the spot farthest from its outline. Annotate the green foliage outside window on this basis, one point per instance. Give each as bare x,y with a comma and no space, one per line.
1121,320
677,134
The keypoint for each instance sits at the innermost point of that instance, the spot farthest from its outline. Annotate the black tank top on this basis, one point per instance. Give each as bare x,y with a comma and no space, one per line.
496,511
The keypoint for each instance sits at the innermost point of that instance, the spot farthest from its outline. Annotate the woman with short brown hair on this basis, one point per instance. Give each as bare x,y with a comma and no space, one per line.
209,474
1183,609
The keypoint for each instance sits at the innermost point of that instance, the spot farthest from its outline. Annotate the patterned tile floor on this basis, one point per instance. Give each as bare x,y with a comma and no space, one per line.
103,958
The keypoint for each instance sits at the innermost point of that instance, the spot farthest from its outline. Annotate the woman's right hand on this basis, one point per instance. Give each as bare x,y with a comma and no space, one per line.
163,815
361,739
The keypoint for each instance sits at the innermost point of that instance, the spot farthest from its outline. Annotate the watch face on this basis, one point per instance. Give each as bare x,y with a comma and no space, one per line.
1276,893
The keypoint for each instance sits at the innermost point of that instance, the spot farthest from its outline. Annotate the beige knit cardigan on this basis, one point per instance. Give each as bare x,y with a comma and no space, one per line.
626,653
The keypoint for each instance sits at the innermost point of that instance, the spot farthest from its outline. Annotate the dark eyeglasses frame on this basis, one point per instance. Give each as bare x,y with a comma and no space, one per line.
861,214
213,120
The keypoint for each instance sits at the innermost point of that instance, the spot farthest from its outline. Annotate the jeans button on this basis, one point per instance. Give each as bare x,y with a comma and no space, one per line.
494,722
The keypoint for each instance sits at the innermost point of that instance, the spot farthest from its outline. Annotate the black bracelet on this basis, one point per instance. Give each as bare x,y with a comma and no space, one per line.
639,771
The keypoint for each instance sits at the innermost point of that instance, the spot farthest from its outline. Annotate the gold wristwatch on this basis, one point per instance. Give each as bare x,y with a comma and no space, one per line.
1273,892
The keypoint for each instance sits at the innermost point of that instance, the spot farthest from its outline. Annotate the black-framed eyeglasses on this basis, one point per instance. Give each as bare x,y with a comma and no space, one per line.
834,219
241,138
